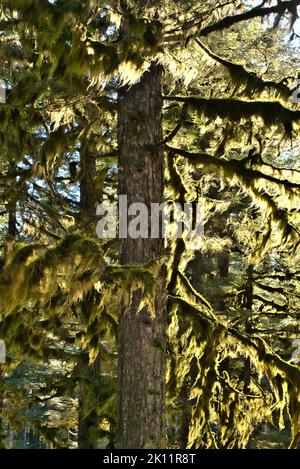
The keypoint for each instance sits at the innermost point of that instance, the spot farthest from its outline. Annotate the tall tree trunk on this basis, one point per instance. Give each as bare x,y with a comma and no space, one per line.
87,187
87,423
3,435
142,356
11,235
248,304
223,264
88,374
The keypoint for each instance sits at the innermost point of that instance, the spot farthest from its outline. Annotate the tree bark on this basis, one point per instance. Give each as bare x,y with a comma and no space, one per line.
88,374
142,356
223,264
248,304
11,235
3,433
87,187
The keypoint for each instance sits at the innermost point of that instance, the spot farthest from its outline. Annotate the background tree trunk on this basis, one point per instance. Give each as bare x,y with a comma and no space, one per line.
11,235
248,304
142,356
223,264
88,374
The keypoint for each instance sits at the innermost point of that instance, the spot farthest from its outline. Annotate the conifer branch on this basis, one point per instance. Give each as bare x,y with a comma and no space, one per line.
257,12
272,112
251,82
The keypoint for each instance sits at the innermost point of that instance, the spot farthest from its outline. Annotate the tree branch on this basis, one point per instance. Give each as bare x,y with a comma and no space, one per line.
252,82
272,112
257,12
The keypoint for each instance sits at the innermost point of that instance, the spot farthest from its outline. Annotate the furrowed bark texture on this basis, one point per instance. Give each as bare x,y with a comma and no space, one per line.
142,357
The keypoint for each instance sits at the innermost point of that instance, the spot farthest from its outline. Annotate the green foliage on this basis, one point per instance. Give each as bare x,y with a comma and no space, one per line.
229,127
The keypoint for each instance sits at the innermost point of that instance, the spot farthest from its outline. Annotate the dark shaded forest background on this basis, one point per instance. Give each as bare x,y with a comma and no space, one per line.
149,343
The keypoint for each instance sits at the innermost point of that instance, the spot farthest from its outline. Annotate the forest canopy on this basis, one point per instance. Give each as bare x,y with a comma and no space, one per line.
139,340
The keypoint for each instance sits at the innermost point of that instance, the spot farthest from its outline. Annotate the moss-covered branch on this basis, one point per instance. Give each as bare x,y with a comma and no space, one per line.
257,12
248,82
271,112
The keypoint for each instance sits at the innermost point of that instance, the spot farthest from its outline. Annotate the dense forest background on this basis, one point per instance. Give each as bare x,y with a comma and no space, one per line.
149,343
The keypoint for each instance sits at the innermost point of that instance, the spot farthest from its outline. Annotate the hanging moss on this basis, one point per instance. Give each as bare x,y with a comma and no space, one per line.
248,83
255,182
210,341
272,113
